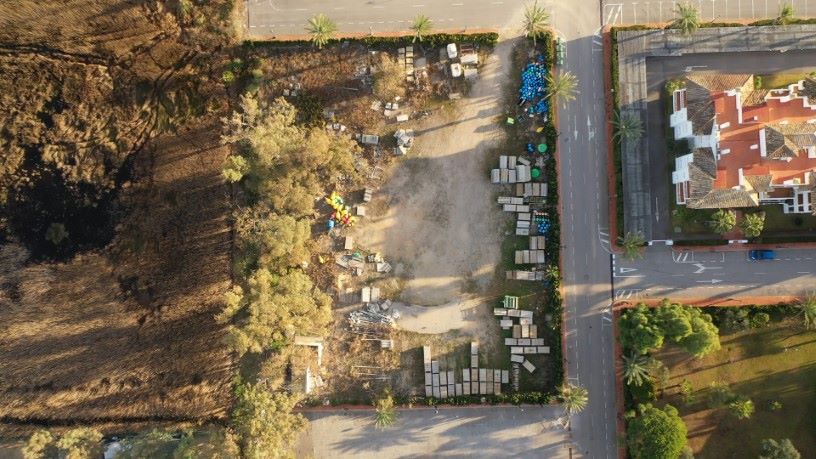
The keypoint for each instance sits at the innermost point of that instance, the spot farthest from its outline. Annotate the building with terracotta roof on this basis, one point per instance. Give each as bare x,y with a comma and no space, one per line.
748,146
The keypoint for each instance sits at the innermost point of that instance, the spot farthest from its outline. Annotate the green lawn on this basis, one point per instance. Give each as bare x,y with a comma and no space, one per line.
777,363
778,221
781,80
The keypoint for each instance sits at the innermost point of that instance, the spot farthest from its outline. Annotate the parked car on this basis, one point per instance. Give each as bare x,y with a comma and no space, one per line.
757,255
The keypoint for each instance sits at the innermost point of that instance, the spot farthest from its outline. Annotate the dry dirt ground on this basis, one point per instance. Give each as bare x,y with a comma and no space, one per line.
436,217
120,335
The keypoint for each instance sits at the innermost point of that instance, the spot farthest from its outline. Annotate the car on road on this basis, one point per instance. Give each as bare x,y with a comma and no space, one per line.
757,255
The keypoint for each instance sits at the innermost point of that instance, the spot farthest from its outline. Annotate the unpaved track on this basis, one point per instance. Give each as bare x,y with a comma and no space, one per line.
442,223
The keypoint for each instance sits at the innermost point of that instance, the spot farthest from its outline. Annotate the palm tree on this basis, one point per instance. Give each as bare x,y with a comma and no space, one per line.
636,368
807,307
723,220
322,29
753,224
562,87
421,26
574,398
786,14
688,19
627,127
386,413
536,21
632,245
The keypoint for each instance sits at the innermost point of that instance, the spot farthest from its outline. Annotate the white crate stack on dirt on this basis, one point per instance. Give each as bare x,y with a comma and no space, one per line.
511,170
426,360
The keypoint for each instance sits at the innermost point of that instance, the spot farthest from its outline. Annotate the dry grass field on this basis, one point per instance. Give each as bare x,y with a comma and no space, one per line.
111,126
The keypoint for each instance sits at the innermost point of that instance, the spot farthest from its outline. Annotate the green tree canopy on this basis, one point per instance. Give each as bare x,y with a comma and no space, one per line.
723,220
638,331
674,320
704,337
807,308
635,368
687,18
41,445
753,224
81,443
574,398
741,408
656,433
536,21
265,422
280,241
278,307
386,412
633,244
322,29
215,443
153,443
421,26
562,87
628,126
782,449
786,14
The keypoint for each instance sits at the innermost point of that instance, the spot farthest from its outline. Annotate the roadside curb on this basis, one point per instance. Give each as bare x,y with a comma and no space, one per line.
357,35
442,406
719,302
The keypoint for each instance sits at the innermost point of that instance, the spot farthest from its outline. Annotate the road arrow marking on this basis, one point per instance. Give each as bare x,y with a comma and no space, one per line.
627,270
712,281
701,268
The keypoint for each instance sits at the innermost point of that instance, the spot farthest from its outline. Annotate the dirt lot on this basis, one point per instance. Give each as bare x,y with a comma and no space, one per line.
435,214
116,110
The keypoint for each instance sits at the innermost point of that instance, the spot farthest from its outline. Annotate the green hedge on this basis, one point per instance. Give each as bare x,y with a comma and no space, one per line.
433,40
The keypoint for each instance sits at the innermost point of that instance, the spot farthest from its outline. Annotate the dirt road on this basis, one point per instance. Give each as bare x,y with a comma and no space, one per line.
440,222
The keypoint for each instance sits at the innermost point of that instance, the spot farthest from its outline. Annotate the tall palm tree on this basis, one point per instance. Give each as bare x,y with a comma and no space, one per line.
635,368
322,29
807,307
688,18
421,26
627,127
632,244
536,21
786,14
574,398
562,87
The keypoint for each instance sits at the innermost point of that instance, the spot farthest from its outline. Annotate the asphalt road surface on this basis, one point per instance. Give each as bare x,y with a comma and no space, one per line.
719,276
619,12
479,432
288,17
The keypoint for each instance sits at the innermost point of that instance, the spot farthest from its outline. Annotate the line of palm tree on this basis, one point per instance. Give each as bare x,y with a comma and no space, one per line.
627,127
807,307
688,18
562,87
786,14
536,21
633,244
636,369
322,29
574,398
421,26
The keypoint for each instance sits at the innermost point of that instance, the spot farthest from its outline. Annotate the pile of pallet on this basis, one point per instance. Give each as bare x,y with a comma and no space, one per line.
528,190
525,340
510,204
405,57
512,169
526,275
535,255
475,380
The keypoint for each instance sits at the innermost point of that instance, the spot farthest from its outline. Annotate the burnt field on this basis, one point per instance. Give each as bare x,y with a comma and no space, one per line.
115,249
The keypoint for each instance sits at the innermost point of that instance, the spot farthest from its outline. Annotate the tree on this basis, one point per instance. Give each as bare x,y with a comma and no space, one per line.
741,407
421,26
278,306
807,307
389,78
153,443
632,244
40,445
81,443
627,127
638,332
704,337
574,398
218,443
234,168
656,433
687,20
265,422
635,368
386,414
536,21
760,320
753,224
723,220
782,449
687,391
562,87
56,233
674,320
786,14
280,241
322,29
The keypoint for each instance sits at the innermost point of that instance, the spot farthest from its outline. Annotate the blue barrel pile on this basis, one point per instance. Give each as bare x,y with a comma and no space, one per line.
533,87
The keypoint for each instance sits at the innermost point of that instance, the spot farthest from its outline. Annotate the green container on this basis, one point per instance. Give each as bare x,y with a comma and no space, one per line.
542,148
535,172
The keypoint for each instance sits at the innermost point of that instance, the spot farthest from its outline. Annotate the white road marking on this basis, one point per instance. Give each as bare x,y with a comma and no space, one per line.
701,268
712,281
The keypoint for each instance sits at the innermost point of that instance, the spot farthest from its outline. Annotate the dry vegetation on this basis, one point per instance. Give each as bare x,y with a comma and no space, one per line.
110,121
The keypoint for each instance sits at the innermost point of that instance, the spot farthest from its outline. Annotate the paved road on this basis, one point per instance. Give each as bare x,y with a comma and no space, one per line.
488,432
288,17
679,274
640,12
588,326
